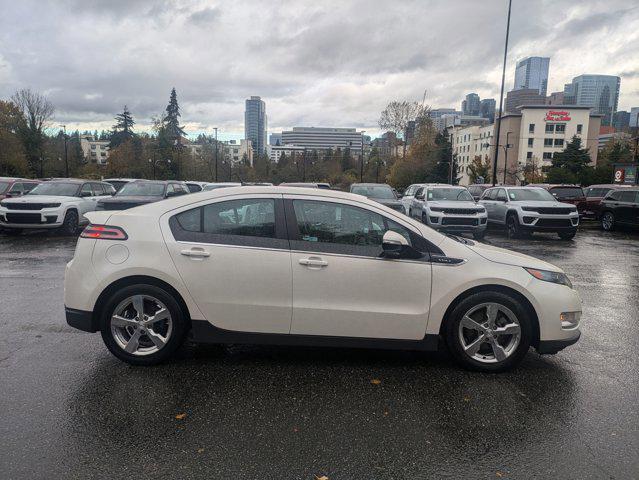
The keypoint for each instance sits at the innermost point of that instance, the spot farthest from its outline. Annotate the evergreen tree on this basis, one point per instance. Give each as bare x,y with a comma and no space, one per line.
123,129
571,165
171,121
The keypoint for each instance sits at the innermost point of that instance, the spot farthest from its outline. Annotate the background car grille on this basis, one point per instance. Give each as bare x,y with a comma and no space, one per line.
117,206
553,222
462,211
24,206
24,218
459,221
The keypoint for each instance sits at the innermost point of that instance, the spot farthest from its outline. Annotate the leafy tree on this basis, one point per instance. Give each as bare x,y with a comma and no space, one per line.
123,128
36,112
480,168
396,115
13,161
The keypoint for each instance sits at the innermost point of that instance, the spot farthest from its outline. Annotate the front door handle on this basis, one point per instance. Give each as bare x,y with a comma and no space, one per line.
195,253
313,262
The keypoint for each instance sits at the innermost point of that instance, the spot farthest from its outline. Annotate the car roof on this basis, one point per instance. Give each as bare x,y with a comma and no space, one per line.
371,184
611,185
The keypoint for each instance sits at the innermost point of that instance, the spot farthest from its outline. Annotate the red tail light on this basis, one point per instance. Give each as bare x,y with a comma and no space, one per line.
104,232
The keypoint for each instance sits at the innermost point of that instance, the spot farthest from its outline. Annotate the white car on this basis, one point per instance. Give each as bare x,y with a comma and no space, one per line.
295,266
214,186
60,203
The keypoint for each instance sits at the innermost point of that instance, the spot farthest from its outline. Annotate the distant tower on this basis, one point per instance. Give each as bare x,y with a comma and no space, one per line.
532,73
255,124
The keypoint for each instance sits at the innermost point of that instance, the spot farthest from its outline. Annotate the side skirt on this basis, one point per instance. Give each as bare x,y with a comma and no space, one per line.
204,332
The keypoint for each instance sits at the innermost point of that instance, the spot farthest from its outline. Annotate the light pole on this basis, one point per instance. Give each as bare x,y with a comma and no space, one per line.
66,155
361,165
215,128
155,162
501,95
452,157
506,147
304,166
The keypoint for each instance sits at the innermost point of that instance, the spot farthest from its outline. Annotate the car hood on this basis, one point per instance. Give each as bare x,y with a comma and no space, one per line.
41,199
540,203
451,204
508,257
139,199
386,201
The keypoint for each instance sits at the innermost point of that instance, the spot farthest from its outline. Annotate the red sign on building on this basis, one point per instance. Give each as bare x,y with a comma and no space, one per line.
557,116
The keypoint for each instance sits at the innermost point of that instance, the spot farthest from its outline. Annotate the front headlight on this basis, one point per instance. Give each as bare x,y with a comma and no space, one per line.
481,209
436,209
547,276
50,205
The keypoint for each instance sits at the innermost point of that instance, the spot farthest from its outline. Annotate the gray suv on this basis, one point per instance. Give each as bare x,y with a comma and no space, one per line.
450,209
525,210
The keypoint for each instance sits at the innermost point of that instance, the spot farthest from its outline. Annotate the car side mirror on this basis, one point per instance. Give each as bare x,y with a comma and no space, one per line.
394,245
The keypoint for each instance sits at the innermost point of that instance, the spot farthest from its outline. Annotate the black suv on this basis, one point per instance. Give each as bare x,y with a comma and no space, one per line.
620,207
141,192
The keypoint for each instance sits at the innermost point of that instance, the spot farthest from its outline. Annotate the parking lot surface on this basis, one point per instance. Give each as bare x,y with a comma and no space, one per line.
68,409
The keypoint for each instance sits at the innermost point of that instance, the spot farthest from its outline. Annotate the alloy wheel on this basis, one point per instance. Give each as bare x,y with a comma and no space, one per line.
607,221
489,333
141,325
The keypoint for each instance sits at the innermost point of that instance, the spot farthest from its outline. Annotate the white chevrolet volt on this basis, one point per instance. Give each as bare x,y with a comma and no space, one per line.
295,266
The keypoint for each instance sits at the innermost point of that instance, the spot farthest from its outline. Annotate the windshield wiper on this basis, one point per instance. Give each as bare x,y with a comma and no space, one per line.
459,239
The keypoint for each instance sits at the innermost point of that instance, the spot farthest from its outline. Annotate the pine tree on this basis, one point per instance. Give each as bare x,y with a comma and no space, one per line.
570,165
123,129
171,121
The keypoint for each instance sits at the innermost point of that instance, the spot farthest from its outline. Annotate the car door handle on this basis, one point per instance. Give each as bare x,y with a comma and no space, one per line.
313,262
195,253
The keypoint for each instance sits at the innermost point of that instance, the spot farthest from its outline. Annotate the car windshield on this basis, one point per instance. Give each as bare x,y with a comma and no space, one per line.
530,194
383,192
143,189
118,184
567,192
4,186
453,194
57,189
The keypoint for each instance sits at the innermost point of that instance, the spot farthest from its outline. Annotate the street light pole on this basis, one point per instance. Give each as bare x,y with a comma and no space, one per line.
361,165
506,147
66,155
304,166
501,95
215,153
452,157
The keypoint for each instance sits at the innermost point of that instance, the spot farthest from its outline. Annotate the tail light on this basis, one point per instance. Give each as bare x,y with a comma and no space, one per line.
104,232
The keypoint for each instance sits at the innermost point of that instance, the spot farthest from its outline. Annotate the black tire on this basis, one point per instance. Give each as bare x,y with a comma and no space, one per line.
70,223
453,341
513,229
567,235
424,219
479,235
175,340
608,221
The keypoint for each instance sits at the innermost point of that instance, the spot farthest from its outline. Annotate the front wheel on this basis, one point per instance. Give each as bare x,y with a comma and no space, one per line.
489,332
70,223
479,235
608,221
424,219
142,324
513,228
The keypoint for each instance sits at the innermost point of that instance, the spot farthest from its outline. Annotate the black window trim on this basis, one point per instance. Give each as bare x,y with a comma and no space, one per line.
298,245
279,242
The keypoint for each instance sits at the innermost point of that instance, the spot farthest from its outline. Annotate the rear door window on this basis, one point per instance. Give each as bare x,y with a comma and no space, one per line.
627,197
98,189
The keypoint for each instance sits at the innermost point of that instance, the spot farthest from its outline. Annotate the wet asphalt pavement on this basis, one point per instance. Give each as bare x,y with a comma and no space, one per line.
68,409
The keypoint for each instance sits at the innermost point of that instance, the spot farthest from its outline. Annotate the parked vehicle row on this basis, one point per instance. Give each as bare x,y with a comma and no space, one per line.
620,208
324,268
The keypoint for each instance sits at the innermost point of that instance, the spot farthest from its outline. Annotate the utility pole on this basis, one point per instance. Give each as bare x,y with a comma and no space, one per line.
501,95
66,155
452,158
361,165
304,166
506,147
215,153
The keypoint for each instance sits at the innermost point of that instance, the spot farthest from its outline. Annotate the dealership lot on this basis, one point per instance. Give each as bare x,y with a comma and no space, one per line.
71,410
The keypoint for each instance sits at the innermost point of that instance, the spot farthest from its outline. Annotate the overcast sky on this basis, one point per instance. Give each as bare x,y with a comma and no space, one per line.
316,63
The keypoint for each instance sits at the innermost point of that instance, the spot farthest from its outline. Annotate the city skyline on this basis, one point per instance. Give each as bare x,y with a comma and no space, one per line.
306,68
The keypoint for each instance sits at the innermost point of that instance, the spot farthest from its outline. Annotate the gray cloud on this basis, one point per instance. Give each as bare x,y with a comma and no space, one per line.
314,63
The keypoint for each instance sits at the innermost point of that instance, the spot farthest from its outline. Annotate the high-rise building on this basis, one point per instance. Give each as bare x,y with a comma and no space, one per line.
275,139
555,98
621,120
487,109
634,117
471,105
600,92
255,124
532,73
524,96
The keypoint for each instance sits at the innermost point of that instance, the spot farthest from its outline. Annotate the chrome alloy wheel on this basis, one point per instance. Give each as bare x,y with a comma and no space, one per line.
607,221
489,333
141,325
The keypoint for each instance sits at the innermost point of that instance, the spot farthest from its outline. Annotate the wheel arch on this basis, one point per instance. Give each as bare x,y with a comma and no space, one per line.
138,279
501,289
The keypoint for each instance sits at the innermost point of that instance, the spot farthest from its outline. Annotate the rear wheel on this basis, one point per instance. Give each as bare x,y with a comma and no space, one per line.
489,332
479,235
143,324
608,221
70,223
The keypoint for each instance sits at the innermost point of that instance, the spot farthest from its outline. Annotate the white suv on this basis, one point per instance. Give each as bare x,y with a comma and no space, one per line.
59,204
289,265
525,210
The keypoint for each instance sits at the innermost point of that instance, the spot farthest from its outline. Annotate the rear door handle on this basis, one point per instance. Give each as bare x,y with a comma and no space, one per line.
313,262
195,253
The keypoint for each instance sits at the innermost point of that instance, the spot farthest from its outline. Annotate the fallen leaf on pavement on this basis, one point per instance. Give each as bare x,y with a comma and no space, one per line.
376,381
180,416
323,477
